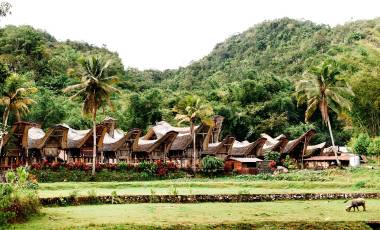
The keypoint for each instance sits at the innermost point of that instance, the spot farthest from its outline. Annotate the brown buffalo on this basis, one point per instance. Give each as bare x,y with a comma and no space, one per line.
355,203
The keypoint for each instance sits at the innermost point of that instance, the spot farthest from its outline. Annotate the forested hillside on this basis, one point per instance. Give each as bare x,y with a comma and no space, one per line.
249,78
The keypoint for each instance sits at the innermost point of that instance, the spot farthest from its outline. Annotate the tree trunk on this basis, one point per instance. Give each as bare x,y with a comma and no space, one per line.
332,142
194,147
27,156
18,116
94,136
5,124
303,152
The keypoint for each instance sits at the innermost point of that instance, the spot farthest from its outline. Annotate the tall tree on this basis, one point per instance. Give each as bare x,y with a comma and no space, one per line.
15,98
5,9
95,89
190,109
322,88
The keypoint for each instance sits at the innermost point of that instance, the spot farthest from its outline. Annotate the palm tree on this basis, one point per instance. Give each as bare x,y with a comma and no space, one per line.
95,90
15,98
321,88
188,110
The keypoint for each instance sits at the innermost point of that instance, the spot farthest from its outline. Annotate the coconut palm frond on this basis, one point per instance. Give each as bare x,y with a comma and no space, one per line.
343,102
312,105
16,91
76,86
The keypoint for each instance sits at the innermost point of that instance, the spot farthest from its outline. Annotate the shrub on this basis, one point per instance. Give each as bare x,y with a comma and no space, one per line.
148,168
122,165
289,162
18,198
361,144
374,147
211,164
272,156
10,177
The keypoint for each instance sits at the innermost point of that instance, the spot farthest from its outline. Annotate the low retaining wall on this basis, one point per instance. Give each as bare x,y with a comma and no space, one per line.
127,199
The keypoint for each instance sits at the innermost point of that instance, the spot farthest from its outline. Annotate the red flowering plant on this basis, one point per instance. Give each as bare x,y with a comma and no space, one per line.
79,165
87,167
171,166
45,164
161,168
111,167
272,165
98,166
70,166
36,166
162,171
55,166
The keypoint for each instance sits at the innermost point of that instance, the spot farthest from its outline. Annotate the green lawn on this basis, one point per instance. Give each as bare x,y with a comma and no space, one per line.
330,181
183,188
201,214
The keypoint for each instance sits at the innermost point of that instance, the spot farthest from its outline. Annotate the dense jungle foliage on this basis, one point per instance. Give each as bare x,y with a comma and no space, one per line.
249,79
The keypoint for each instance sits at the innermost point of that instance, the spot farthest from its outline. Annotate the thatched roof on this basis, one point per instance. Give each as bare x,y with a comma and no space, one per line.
76,138
145,144
35,136
26,139
59,132
246,148
314,149
220,148
114,143
274,144
302,140
183,138
110,142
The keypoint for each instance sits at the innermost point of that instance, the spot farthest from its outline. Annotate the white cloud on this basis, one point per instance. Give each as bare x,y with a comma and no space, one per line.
170,33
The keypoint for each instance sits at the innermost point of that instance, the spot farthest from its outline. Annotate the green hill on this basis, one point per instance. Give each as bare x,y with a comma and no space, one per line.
249,78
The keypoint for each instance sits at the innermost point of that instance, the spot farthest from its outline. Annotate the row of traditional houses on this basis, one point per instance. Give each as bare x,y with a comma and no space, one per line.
27,143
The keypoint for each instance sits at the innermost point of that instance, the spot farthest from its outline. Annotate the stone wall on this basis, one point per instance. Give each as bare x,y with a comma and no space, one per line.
125,199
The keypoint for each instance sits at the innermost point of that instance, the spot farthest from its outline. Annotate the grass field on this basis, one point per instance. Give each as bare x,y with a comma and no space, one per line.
329,181
202,214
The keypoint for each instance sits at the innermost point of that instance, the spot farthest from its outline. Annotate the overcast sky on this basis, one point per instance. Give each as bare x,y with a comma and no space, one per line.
164,34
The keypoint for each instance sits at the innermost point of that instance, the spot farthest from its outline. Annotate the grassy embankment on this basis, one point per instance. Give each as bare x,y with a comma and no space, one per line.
329,181
317,214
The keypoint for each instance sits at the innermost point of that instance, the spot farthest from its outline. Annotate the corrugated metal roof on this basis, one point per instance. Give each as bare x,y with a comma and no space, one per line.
328,158
246,160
